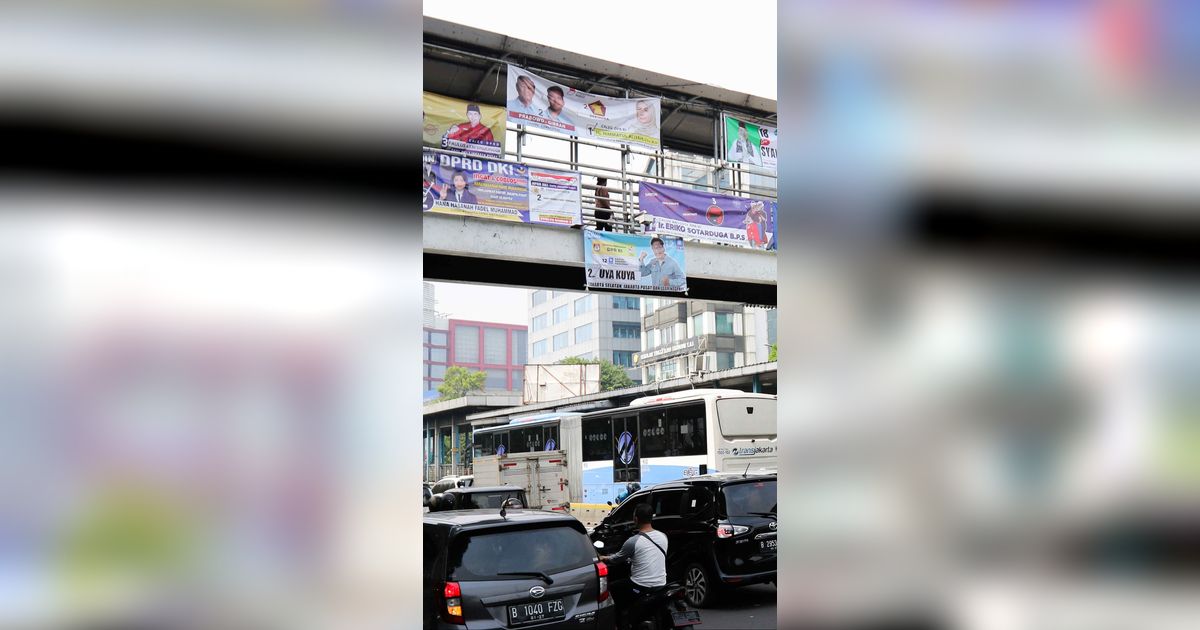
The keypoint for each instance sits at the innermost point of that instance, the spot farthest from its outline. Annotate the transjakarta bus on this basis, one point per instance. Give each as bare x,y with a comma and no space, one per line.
654,439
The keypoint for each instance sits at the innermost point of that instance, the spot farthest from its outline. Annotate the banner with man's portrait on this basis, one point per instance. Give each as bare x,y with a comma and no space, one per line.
457,125
708,216
491,189
546,105
750,143
633,262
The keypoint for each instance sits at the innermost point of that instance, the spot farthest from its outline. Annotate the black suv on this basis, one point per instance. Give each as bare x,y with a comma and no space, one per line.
525,568
720,531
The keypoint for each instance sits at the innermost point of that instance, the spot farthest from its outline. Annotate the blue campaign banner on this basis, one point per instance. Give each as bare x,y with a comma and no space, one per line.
707,216
474,186
634,262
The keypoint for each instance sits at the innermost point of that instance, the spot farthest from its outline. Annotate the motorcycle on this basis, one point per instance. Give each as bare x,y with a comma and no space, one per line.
669,610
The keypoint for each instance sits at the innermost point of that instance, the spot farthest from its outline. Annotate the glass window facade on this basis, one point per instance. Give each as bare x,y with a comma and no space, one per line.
698,324
466,344
437,371
627,330
583,333
583,305
560,341
626,302
495,346
623,358
539,348
437,355
496,379
437,338
539,297
518,380
562,314
724,323
725,361
540,322
520,341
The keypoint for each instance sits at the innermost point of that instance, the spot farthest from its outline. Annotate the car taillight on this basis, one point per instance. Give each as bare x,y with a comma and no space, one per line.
728,530
602,571
453,595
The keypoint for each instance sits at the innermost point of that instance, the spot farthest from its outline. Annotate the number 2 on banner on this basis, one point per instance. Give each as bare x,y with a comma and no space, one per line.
589,272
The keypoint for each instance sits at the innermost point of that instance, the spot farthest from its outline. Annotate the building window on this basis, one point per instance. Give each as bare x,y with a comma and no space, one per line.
426,336
425,353
652,338
520,339
667,370
437,338
725,361
495,346
583,333
560,341
466,344
437,371
626,330
623,358
626,302
583,305
539,297
562,314
698,325
539,348
724,323
539,322
437,355
667,335
652,373
496,379
518,380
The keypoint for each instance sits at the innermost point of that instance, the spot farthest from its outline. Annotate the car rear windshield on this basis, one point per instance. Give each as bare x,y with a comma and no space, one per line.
750,498
486,500
546,550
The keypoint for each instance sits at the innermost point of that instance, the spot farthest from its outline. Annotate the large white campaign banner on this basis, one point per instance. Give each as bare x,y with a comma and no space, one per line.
547,105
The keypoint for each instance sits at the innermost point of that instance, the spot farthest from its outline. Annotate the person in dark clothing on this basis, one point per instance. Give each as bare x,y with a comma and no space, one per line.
603,207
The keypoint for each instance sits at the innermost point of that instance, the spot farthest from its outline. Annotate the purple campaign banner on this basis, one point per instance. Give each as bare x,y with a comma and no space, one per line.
693,214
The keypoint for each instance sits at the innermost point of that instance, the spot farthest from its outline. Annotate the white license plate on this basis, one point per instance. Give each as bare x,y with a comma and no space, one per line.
529,612
767,545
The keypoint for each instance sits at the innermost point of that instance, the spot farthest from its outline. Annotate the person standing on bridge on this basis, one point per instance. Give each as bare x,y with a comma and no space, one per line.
663,271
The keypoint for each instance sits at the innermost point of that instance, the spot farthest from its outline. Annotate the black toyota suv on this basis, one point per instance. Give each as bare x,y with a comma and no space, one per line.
477,498
721,531
525,568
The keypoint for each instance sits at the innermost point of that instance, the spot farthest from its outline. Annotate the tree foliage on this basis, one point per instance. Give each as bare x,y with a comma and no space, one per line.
459,381
611,376
774,355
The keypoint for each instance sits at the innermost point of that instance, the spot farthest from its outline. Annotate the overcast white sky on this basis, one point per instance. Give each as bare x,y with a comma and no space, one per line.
730,45
727,44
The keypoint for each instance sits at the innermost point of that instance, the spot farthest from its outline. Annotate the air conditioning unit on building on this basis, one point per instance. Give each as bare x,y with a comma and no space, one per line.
698,364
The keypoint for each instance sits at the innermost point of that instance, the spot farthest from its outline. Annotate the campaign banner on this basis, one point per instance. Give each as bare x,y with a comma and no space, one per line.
554,197
475,187
544,104
633,262
456,125
749,143
707,216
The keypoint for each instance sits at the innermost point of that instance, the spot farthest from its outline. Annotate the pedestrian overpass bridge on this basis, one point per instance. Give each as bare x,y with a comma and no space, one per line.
467,249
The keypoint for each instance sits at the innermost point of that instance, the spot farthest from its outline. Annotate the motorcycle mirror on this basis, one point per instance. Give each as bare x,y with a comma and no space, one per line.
599,544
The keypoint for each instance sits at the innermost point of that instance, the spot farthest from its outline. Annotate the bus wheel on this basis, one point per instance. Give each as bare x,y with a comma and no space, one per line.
698,585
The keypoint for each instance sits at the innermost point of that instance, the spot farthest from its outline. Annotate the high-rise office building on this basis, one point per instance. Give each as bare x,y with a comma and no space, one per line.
566,324
680,337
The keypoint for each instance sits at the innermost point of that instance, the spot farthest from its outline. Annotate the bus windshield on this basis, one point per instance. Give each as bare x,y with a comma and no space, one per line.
746,417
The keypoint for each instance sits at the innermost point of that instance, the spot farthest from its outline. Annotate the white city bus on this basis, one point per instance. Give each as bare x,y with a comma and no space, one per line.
671,436
654,439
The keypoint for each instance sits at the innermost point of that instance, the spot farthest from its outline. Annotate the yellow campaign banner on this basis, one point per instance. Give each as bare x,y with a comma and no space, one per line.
463,126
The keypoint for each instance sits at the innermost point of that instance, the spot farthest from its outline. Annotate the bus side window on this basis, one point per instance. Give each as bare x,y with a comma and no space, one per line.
687,424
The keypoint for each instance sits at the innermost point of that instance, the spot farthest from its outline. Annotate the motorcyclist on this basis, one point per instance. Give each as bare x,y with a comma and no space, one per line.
630,488
647,551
